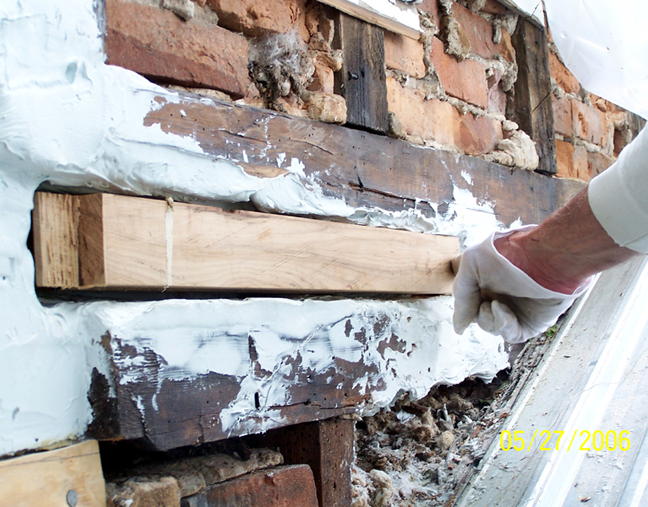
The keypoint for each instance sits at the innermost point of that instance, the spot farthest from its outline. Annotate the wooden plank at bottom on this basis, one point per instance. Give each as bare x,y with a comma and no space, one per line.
68,476
138,243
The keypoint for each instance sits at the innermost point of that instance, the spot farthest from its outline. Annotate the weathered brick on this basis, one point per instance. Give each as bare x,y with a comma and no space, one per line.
478,134
562,116
433,119
287,486
323,78
404,54
465,80
581,163
431,7
591,124
156,43
496,96
561,74
438,121
597,163
254,17
144,492
494,7
565,160
479,34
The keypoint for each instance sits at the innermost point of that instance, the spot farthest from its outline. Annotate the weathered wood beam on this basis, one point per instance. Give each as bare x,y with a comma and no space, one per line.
363,168
68,476
361,80
128,242
531,106
393,16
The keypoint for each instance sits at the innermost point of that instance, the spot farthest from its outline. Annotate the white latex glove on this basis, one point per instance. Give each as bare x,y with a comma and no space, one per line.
501,298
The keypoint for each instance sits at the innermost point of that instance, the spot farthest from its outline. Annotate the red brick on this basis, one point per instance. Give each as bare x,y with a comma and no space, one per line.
561,74
431,7
494,7
479,34
591,124
565,160
254,17
287,486
496,96
438,121
597,163
158,44
581,163
478,135
562,116
404,54
433,119
465,80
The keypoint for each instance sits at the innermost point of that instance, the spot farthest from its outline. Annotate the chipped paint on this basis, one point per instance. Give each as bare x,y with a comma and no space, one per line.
73,121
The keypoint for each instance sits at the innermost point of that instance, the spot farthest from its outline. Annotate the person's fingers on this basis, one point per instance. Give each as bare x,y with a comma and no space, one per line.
467,299
497,318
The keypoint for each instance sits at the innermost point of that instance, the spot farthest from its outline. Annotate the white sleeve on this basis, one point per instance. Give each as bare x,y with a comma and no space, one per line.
619,196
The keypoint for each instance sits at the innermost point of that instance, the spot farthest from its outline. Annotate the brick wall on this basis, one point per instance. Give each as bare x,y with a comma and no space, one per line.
589,130
451,90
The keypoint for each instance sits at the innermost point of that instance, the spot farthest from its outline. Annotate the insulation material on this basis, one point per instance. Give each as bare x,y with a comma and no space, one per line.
72,120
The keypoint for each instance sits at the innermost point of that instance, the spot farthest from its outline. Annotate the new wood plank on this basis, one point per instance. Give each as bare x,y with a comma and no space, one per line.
393,16
55,229
136,243
532,92
54,477
362,79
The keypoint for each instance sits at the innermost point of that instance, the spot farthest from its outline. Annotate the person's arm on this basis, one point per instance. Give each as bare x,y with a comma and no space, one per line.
566,249
517,283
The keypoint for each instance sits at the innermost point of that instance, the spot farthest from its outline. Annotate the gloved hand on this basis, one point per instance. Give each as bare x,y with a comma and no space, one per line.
503,299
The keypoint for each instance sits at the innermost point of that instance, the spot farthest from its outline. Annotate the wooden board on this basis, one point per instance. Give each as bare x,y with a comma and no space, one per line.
53,477
393,16
532,93
361,81
134,243
56,215
363,168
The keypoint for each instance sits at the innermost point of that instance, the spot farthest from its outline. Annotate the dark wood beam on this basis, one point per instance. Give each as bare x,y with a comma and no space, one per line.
363,168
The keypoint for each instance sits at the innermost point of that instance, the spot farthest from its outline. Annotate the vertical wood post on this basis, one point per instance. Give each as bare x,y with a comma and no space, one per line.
327,446
361,81
532,98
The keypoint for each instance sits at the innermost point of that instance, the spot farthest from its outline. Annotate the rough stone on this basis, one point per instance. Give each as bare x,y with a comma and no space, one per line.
156,43
465,80
144,492
404,54
183,8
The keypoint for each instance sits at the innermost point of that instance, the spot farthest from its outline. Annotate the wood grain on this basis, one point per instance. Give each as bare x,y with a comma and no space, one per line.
55,229
362,168
361,81
137,243
47,478
532,93
392,16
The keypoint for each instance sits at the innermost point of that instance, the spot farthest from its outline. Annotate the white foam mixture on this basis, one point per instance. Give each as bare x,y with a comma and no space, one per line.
68,118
